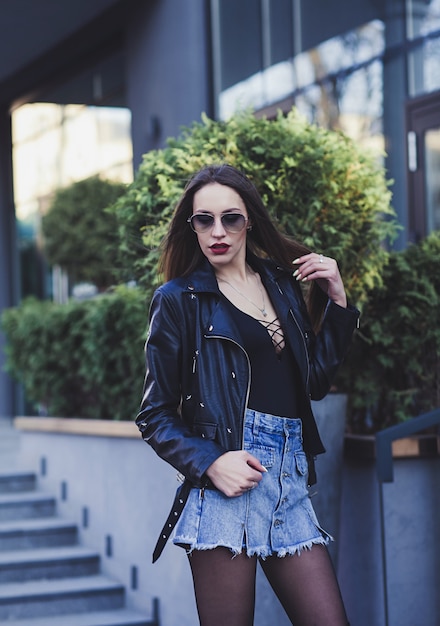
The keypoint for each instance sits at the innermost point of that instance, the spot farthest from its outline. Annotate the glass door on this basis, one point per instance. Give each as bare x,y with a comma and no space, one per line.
423,126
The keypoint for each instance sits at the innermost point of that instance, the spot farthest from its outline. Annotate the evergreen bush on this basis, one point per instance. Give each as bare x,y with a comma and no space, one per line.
392,372
80,359
80,235
318,185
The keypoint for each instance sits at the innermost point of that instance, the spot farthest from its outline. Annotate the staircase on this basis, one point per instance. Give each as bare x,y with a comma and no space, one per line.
46,578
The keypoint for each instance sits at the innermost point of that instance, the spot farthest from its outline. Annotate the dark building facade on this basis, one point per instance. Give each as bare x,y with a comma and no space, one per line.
369,68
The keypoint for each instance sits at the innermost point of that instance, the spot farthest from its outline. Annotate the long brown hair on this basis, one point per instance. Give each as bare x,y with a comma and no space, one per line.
181,253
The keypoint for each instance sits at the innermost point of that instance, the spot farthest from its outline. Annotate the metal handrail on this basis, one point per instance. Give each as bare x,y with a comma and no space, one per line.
384,467
385,438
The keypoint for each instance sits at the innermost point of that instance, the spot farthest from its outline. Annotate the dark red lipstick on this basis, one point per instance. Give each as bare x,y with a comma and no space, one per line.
219,248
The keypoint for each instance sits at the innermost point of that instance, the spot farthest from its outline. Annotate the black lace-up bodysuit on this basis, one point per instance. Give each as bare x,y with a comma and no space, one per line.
274,373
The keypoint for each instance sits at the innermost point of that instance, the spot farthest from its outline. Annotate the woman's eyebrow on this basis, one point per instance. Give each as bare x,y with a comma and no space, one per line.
231,210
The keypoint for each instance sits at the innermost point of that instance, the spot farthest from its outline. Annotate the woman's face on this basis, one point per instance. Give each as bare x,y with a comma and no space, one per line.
223,242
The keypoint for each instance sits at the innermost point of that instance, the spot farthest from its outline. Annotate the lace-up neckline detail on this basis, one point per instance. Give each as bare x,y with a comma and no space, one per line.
276,334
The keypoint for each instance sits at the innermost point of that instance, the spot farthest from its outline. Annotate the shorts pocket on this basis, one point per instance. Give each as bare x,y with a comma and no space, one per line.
301,463
265,454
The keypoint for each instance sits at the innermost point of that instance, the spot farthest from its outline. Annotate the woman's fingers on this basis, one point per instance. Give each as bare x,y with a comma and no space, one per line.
325,271
235,472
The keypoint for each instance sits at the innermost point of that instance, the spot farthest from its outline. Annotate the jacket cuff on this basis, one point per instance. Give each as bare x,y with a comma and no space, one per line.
349,315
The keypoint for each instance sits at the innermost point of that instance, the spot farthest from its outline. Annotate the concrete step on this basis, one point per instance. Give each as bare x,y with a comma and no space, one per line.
25,506
15,482
48,563
37,533
46,578
121,617
59,597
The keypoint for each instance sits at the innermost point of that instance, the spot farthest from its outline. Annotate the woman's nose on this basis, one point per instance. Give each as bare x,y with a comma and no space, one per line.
218,230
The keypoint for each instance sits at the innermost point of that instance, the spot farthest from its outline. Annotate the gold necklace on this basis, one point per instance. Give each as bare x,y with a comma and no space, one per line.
262,310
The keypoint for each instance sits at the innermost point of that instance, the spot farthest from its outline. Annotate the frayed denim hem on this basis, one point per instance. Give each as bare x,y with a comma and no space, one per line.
190,546
260,552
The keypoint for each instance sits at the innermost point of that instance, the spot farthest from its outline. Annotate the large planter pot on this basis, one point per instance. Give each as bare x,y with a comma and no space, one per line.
330,415
388,555
363,447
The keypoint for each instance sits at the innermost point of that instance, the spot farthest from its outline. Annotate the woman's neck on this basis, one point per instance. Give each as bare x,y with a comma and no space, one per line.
235,274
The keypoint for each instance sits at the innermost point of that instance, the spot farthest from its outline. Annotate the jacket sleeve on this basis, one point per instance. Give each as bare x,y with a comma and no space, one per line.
328,348
159,418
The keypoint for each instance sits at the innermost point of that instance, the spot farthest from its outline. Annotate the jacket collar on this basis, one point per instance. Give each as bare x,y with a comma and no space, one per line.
203,278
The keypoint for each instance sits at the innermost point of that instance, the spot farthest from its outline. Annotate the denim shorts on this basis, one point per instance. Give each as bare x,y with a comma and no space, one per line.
274,518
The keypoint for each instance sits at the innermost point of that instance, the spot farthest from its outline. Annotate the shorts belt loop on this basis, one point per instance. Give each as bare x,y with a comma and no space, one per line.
256,424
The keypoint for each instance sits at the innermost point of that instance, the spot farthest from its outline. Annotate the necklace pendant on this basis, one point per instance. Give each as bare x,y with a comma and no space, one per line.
264,312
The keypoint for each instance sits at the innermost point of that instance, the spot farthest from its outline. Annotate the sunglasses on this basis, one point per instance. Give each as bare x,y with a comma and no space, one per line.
231,222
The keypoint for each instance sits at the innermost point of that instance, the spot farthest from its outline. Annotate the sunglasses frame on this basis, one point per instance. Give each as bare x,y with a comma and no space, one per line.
226,227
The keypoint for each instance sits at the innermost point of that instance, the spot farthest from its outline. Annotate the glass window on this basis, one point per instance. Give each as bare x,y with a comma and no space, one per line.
340,53
338,84
241,40
432,178
423,17
53,146
281,30
351,103
424,67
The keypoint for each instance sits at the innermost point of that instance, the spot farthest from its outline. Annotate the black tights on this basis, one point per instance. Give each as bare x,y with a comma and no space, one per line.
305,584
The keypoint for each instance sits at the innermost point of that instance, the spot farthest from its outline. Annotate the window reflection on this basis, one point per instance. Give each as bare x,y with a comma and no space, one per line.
338,84
428,58
350,103
423,17
340,53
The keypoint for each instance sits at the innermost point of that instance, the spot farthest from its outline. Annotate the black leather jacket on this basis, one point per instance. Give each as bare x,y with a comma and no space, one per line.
198,374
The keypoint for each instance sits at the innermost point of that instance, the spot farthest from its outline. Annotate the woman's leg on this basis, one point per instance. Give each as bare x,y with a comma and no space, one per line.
224,586
307,587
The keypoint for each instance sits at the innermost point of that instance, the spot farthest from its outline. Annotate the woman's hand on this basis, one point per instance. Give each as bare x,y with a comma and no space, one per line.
325,271
235,472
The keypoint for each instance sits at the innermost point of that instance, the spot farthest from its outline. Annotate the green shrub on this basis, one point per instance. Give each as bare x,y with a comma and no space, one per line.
80,235
81,359
393,370
317,184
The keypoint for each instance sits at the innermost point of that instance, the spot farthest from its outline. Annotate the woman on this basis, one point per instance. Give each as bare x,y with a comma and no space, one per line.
232,362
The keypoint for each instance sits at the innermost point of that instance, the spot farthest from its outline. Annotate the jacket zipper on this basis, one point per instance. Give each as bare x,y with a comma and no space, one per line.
303,340
249,378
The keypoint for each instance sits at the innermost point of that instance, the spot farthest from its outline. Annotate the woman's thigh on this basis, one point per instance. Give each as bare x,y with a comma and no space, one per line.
224,587
307,587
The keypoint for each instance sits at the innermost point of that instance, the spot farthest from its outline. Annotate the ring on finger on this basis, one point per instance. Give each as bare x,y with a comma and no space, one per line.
321,258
